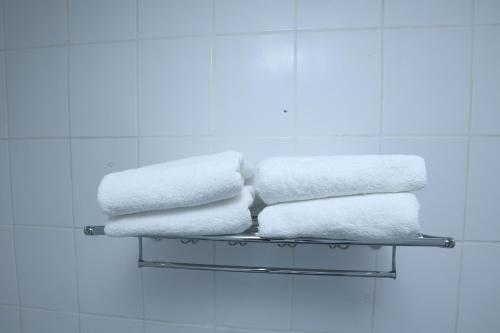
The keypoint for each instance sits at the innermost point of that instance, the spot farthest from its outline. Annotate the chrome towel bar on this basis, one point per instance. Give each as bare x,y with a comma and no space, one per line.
252,236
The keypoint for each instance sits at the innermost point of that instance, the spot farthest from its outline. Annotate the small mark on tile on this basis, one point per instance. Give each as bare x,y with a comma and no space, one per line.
111,164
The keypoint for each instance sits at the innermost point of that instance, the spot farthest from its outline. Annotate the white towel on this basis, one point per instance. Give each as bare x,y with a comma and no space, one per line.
389,216
283,179
230,216
183,183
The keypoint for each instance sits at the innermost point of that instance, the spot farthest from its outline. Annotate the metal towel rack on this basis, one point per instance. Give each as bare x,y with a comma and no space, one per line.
252,236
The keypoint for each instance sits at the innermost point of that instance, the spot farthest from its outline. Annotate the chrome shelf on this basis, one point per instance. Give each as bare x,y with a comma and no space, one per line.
251,236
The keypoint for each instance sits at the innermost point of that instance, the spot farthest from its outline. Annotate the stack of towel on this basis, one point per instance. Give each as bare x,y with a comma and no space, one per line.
203,195
342,197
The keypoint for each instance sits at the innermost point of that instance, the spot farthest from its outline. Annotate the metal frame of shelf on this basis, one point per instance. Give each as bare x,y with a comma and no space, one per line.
251,235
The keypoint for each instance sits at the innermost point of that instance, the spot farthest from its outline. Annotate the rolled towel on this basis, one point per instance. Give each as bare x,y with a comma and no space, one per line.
389,216
183,183
283,179
228,216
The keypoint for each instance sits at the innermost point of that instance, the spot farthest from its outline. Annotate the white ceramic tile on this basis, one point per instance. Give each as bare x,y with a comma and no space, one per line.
103,89
8,278
5,199
332,304
92,159
479,292
487,11
253,15
253,85
321,14
174,78
99,324
160,18
34,23
41,182
46,267
109,281
42,321
484,190
262,296
337,146
442,199
9,319
183,296
426,81
485,97
338,83
37,92
3,97
425,291
158,327
158,150
2,28
102,20
427,12
256,149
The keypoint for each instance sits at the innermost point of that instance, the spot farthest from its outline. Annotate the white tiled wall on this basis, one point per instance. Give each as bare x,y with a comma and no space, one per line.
88,87
30,97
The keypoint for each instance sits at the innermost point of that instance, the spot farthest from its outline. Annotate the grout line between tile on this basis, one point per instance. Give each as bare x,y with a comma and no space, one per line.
8,305
467,164
295,145
293,291
70,144
382,54
212,147
211,100
35,47
214,289
381,133
138,130
180,136
186,324
295,77
208,136
38,308
11,184
181,324
479,241
262,32
138,91
3,26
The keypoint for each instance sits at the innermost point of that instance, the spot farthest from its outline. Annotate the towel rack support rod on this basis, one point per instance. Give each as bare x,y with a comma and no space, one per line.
270,270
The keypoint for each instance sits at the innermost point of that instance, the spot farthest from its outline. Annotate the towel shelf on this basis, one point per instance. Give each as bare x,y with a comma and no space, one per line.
252,236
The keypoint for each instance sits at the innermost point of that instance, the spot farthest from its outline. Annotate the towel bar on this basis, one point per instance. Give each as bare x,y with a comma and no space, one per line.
252,236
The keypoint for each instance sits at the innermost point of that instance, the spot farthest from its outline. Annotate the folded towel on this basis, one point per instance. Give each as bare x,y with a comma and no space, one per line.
228,216
382,217
283,179
183,183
